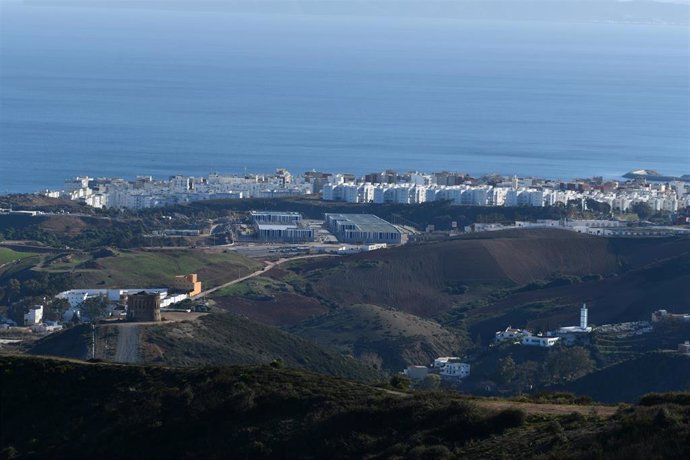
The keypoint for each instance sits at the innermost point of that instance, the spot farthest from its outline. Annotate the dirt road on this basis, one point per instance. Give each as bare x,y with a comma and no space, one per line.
269,265
127,350
548,409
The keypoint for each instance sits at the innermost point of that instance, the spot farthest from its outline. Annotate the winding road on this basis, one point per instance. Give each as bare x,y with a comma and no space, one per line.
269,265
127,350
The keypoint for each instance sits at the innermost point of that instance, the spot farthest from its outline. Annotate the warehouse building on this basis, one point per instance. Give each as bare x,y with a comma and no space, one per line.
275,217
281,227
284,233
362,228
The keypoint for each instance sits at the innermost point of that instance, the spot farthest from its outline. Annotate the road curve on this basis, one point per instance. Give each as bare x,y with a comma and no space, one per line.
269,265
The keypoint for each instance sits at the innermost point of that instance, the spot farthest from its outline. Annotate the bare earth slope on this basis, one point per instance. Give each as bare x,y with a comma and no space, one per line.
392,339
423,279
225,338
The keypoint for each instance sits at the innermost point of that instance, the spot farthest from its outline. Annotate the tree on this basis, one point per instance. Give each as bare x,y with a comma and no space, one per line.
430,382
400,382
506,370
643,210
14,287
95,307
32,287
56,308
598,206
565,364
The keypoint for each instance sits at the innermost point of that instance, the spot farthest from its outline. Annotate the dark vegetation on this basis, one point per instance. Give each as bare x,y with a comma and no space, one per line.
389,339
474,286
229,339
627,380
113,411
215,339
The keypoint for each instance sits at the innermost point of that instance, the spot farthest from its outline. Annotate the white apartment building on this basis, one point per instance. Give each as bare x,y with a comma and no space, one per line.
34,316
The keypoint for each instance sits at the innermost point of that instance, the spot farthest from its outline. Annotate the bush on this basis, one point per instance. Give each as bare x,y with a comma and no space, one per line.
654,399
429,453
400,382
508,418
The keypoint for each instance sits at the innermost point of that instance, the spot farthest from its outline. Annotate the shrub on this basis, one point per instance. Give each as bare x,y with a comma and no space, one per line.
654,399
508,418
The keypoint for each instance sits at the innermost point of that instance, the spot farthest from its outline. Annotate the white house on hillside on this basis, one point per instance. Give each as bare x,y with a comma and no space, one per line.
539,341
452,367
511,334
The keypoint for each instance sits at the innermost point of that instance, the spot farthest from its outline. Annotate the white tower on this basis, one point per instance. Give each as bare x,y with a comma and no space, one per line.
583,316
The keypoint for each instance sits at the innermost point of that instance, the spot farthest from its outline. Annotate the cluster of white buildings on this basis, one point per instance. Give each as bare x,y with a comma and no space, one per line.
598,227
145,192
114,297
527,338
35,321
660,197
387,187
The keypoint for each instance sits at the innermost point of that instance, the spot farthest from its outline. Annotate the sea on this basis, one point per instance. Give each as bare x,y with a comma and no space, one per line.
108,91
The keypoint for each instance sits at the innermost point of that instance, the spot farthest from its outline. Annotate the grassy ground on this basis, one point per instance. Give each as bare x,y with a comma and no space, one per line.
152,268
8,255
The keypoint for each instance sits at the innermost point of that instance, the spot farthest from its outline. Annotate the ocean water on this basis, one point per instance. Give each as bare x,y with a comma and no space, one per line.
118,92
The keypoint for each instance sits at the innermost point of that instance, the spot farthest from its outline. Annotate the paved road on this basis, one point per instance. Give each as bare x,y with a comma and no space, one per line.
268,266
127,350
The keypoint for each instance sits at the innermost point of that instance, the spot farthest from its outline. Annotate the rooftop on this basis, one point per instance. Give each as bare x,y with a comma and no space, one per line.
365,222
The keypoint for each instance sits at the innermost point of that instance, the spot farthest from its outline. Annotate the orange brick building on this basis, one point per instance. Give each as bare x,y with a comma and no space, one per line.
188,283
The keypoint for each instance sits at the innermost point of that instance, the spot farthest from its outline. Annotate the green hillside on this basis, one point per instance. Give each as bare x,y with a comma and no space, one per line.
116,411
389,338
8,255
157,268
138,268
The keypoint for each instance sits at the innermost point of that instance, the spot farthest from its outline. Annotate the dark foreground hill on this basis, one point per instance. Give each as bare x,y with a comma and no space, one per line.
211,339
62,409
